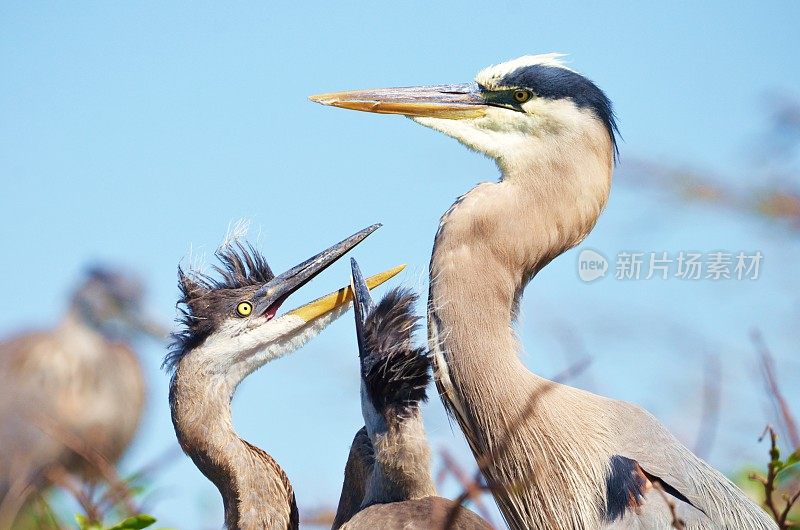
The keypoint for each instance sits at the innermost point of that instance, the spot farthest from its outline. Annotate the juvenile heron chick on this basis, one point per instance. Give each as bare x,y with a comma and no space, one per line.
390,457
73,391
230,329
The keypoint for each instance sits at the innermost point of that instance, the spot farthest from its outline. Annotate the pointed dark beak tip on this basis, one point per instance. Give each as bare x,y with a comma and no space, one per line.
363,234
361,296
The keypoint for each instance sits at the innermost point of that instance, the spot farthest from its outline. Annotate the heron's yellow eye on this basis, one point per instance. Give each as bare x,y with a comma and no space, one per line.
244,309
521,96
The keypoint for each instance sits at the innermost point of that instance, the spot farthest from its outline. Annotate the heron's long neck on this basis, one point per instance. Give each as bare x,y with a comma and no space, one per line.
489,244
356,475
255,490
85,335
401,461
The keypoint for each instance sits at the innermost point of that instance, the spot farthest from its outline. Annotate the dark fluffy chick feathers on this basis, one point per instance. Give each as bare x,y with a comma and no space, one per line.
395,373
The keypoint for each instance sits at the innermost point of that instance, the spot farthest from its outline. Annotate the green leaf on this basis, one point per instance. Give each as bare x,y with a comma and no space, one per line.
793,458
85,524
790,468
137,522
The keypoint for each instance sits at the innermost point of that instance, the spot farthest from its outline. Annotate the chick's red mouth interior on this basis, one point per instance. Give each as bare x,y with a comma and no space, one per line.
273,309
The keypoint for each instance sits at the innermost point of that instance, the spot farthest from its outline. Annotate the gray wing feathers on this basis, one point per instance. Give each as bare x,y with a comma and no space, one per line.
654,514
659,453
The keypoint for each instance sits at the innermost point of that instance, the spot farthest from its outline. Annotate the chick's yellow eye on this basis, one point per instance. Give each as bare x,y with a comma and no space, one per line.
521,96
244,308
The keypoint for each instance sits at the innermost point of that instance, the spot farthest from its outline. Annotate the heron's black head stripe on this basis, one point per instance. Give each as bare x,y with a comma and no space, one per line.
553,82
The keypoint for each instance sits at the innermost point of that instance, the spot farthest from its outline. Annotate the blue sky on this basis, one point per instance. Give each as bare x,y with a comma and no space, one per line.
131,133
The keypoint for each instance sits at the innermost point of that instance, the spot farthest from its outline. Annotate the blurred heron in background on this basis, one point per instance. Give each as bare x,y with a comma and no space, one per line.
388,482
71,397
569,459
230,328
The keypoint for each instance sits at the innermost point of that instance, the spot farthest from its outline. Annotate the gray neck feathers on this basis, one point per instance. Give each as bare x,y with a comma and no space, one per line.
388,462
495,238
256,492
401,461
75,328
489,245
356,474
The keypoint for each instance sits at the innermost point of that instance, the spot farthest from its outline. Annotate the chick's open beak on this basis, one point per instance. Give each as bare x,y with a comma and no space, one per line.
441,101
272,294
343,296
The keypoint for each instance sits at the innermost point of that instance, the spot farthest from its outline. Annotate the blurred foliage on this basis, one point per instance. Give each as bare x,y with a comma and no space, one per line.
100,502
136,522
772,179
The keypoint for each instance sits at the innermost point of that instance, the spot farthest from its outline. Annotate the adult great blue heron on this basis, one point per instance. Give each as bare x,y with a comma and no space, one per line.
74,391
388,481
230,329
577,460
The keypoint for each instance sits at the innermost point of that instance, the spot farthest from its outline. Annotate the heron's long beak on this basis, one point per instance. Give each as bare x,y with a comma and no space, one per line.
453,102
362,303
271,295
338,298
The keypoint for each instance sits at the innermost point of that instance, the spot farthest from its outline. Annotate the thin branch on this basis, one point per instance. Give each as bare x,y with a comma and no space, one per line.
111,496
530,408
573,348
769,483
773,389
47,511
59,477
468,485
120,490
789,503
709,421
21,489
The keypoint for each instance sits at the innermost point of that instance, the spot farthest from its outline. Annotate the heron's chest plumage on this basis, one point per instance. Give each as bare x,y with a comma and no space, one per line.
81,385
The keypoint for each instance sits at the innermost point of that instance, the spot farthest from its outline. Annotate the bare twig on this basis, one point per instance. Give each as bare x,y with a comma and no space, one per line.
773,389
790,501
530,408
574,348
111,496
119,489
709,420
47,511
322,516
60,477
21,489
468,485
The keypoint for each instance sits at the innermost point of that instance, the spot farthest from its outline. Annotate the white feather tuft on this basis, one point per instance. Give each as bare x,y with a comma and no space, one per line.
196,260
236,230
490,76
